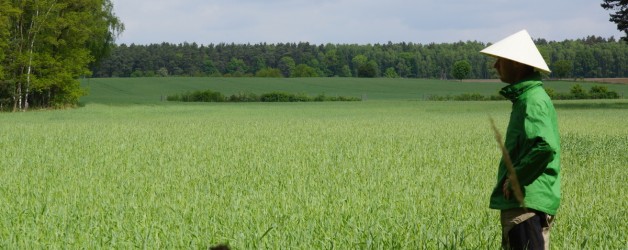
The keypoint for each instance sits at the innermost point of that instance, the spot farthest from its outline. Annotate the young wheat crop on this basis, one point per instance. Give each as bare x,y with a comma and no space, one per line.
411,175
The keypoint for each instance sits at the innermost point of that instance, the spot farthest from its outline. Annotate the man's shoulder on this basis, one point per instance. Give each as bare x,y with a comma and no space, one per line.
536,94
535,100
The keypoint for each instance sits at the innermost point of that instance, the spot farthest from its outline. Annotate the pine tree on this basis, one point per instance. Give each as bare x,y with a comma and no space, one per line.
620,17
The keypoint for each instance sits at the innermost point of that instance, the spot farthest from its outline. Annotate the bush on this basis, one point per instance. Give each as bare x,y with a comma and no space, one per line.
300,97
269,72
275,97
343,99
207,96
463,97
211,96
198,96
284,97
550,92
391,73
470,97
244,97
497,98
319,98
601,92
578,92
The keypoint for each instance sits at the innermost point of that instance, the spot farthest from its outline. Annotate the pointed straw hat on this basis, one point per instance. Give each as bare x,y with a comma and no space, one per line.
518,47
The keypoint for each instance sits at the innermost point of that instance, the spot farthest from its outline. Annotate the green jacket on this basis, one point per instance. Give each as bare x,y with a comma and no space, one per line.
533,143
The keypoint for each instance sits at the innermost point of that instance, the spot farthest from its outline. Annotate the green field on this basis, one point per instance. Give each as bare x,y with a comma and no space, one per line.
128,171
150,90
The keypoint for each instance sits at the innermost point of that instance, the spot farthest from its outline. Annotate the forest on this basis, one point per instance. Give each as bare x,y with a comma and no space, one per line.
588,57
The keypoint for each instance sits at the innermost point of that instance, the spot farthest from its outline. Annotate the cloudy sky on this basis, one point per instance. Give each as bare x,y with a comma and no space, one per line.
357,21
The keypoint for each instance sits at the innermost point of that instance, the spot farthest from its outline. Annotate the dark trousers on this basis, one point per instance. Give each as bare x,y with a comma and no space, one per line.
527,235
525,230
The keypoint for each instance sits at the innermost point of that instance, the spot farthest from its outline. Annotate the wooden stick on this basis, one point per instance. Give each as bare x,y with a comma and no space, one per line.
512,176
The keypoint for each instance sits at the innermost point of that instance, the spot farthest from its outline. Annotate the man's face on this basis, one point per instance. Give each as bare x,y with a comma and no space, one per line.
507,70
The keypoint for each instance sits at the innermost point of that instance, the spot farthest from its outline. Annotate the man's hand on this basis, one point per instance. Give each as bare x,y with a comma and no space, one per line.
506,189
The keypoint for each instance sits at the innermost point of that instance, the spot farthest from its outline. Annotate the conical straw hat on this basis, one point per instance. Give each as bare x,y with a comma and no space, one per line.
518,47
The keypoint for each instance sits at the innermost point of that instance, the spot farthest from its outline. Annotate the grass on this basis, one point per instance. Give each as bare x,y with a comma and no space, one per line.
377,174
151,90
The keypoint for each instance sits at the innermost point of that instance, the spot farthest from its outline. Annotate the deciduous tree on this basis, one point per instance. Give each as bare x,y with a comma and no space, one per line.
237,67
562,68
50,45
358,61
303,70
369,69
461,69
391,73
287,66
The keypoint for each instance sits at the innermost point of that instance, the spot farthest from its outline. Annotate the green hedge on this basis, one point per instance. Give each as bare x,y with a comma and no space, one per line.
576,93
277,96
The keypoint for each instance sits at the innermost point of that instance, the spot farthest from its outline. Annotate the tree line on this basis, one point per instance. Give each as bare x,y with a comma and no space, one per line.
588,58
46,45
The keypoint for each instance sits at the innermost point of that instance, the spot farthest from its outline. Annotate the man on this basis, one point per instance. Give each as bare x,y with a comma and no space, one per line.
533,144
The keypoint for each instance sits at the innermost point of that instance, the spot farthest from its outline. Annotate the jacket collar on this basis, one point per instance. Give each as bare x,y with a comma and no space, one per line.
513,91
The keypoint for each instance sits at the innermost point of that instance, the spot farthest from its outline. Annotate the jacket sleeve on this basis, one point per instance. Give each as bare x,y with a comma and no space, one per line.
537,152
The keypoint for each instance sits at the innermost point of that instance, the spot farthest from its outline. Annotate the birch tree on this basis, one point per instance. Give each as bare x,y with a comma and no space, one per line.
51,44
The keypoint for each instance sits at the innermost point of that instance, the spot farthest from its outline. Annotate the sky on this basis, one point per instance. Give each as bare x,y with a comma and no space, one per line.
357,21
